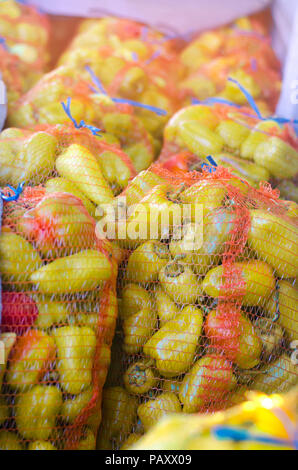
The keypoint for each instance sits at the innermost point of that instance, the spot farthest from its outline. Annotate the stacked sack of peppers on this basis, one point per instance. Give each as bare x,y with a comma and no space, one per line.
58,284
242,51
42,105
201,324
118,85
24,33
257,149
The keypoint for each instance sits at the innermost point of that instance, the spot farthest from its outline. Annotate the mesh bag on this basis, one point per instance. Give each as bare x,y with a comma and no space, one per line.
200,324
257,149
26,32
133,62
58,285
242,51
42,105
102,169
58,299
12,74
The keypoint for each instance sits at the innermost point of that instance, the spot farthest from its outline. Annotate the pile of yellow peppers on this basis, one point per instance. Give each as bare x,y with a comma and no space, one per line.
257,150
241,51
198,327
201,326
58,361
58,283
91,167
25,35
135,96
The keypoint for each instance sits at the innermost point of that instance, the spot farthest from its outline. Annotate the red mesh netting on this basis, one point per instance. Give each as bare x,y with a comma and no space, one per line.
26,32
58,285
200,326
242,51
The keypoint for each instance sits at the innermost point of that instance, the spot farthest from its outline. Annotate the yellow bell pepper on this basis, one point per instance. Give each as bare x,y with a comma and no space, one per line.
75,355
174,345
275,241
153,410
36,412
253,279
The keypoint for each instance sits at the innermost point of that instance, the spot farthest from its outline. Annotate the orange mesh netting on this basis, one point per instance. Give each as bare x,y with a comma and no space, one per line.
26,32
199,327
243,51
58,284
257,149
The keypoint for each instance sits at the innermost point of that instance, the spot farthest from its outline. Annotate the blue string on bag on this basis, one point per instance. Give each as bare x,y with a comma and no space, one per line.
7,198
100,87
251,102
66,107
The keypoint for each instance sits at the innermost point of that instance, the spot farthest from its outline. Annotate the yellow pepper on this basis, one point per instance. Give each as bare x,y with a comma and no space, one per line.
134,298
18,258
146,261
253,279
119,415
79,165
153,410
137,330
278,157
83,271
140,377
166,308
275,241
75,355
210,378
174,345
217,229
283,303
277,377
10,441
36,412
179,282
30,359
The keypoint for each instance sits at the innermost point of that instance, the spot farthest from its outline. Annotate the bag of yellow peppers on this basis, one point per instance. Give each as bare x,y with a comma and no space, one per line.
242,51
42,106
26,34
58,284
256,149
201,324
133,62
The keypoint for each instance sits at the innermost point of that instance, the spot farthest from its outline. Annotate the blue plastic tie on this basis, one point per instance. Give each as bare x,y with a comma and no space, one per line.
3,43
215,100
248,96
98,84
96,80
15,195
66,107
254,64
238,434
251,102
153,57
211,166
144,33
158,111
